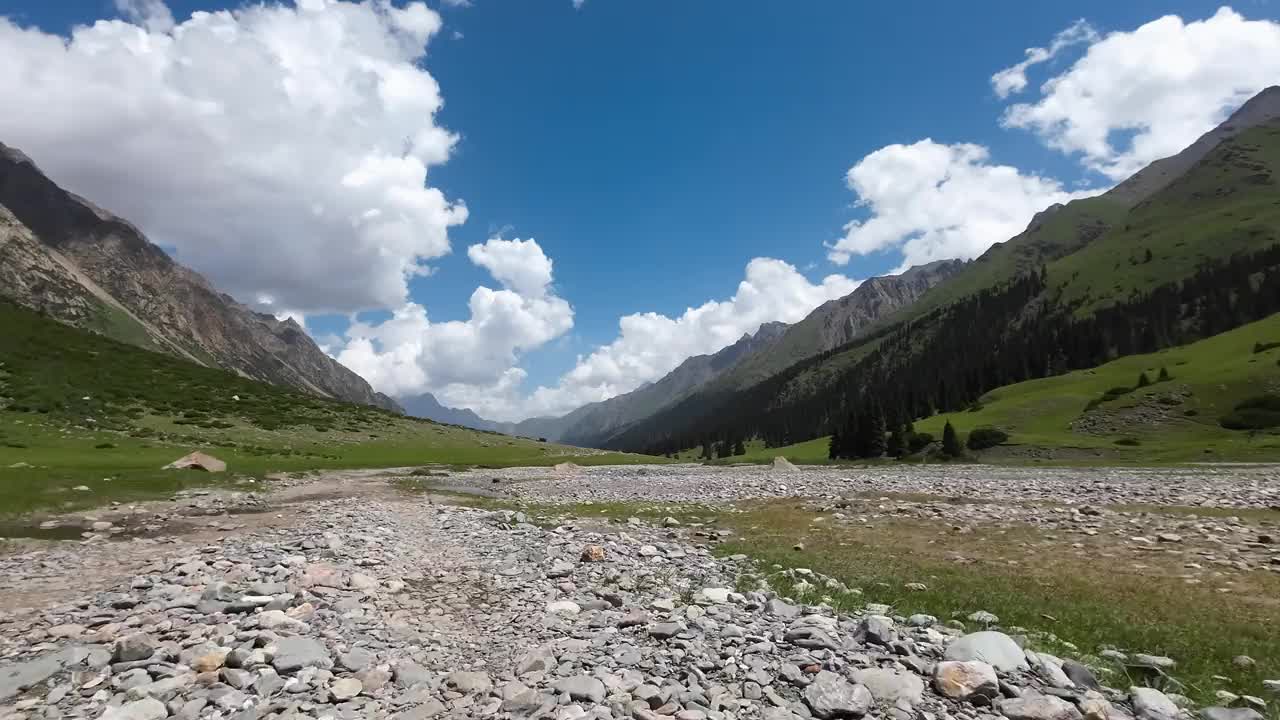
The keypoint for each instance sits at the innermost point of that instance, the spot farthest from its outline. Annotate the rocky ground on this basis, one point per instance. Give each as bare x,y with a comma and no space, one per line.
342,597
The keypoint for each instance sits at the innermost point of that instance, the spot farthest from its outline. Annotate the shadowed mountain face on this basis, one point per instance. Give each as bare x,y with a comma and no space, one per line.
82,265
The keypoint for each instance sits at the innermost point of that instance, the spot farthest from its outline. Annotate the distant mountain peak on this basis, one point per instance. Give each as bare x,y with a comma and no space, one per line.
1257,110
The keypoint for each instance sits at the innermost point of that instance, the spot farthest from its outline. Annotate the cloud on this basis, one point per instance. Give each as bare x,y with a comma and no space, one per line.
456,3
517,264
1138,96
282,150
649,345
577,4
151,14
932,201
1014,79
408,354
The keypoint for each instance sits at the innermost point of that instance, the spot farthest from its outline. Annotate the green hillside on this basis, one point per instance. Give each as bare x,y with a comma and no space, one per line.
1176,420
80,409
1226,206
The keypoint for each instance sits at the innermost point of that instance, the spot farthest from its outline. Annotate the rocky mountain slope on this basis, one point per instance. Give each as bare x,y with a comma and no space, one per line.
1156,263
427,406
86,267
837,322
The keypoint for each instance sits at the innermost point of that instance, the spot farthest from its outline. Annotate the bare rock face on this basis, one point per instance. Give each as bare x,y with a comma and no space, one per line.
61,255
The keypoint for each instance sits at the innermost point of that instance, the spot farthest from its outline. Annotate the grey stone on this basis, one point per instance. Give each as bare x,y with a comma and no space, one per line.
408,674
16,678
469,682
345,688
988,646
890,686
295,653
1033,706
1151,704
665,630
145,709
1080,674
1236,713
356,659
582,687
131,648
831,696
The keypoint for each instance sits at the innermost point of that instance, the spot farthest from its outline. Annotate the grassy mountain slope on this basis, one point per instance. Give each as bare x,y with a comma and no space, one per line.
1227,204
1172,421
80,409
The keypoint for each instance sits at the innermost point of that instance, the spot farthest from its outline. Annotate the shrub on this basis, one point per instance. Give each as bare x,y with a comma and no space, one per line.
1164,375
1256,413
1128,441
986,437
1116,392
918,441
1263,347
104,446
1143,380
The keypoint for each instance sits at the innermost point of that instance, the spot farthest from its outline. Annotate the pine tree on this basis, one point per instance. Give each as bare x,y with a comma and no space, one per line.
706,449
897,445
1143,380
724,449
739,448
1164,375
951,441
872,444
834,448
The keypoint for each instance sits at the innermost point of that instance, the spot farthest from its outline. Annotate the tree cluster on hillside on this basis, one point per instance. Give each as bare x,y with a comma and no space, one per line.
945,360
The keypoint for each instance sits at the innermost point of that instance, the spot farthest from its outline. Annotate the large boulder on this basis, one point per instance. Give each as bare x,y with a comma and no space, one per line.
781,464
1034,706
994,648
198,461
1151,704
831,696
966,680
891,686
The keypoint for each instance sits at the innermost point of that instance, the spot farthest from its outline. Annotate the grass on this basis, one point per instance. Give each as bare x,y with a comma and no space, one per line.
80,409
1208,378
1065,600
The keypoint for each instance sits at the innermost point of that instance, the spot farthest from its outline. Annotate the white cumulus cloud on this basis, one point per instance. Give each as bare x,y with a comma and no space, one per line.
1013,79
282,149
1138,96
408,354
932,201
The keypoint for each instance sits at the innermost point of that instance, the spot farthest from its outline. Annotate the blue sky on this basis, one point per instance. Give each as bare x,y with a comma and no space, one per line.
653,149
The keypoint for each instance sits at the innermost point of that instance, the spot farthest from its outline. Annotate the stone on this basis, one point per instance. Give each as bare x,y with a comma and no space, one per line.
832,696
1080,674
345,689
21,676
322,575
1151,704
145,709
197,461
1033,706
564,607
408,674
1236,713
983,617
295,653
131,648
582,687
429,709
889,686
469,682
1244,662
665,630
592,554
966,680
781,464
991,647
356,659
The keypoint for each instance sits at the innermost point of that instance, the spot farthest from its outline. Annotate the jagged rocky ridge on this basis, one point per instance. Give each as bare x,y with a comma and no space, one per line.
82,265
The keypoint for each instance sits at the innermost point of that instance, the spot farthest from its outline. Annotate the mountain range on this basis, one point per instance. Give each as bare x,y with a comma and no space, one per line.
78,263
772,347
